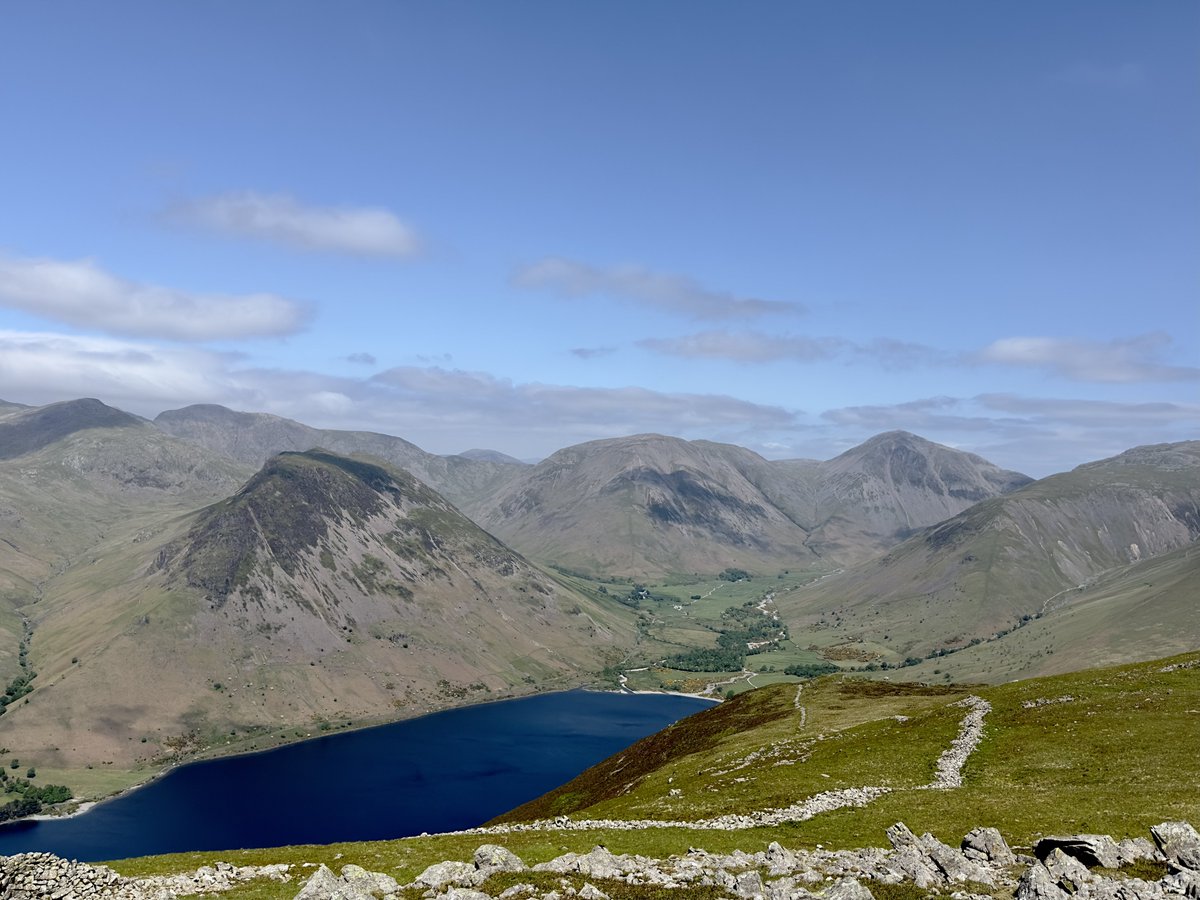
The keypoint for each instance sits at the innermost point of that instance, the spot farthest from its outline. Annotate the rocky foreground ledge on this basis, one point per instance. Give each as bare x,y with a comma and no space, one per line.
1082,867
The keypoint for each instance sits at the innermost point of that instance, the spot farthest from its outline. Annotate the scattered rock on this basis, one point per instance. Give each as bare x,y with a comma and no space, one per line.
848,889
373,883
1179,843
900,836
321,885
1038,884
444,874
458,893
1067,871
749,886
1133,849
988,845
924,862
1089,849
953,865
498,859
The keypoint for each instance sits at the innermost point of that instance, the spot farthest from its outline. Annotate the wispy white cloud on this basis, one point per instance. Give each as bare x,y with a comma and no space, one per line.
44,367
745,346
565,409
443,410
1118,361
1094,413
361,359
758,347
447,410
1036,435
81,293
359,231
926,415
676,294
592,352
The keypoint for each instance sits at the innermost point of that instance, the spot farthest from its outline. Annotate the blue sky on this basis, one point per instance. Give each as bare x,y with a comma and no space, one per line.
521,225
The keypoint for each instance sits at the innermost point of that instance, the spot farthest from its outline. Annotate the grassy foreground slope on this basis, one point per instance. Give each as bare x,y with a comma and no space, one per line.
1105,754
1108,751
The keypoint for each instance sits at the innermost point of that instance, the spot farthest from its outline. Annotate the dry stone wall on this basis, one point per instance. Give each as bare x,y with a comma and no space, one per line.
982,867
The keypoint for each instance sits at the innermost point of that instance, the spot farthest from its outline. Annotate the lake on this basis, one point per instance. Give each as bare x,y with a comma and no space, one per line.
449,770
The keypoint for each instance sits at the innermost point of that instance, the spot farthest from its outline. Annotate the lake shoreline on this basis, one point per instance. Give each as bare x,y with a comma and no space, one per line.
491,756
212,754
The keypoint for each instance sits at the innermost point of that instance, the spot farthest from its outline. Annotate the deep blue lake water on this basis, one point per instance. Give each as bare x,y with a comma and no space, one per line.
449,770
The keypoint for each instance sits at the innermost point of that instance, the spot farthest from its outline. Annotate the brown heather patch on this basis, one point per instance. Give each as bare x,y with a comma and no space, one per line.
861,687
694,734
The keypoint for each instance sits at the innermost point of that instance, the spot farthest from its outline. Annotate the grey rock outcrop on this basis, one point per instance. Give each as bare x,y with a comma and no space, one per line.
1067,871
1179,843
373,883
1134,849
987,845
495,858
1038,884
1090,849
447,874
953,864
321,885
848,889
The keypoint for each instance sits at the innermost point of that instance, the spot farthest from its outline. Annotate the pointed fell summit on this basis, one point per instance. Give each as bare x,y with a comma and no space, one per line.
893,484
902,459
325,589
283,533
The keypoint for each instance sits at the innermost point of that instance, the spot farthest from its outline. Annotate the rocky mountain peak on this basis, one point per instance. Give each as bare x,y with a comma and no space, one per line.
27,430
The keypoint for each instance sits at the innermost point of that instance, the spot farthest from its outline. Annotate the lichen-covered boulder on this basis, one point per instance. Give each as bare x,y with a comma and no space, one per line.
1179,843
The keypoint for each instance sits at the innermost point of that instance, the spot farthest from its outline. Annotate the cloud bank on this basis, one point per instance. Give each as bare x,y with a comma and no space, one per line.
744,346
676,294
1123,360
446,410
80,293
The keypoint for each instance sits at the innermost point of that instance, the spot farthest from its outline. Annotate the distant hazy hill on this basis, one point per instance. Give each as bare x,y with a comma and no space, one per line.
651,504
491,456
885,489
252,438
171,599
24,429
325,589
1058,541
71,473
645,505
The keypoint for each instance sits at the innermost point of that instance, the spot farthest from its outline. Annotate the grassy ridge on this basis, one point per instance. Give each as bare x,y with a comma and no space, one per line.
1114,758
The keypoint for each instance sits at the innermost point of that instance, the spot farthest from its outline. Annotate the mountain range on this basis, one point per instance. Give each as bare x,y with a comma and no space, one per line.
214,580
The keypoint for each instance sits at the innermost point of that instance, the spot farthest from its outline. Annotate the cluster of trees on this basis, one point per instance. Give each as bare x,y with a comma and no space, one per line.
734,575
710,660
32,798
740,626
811,670
746,624
16,689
